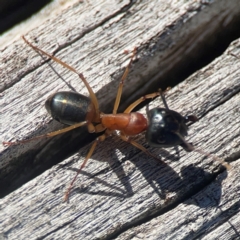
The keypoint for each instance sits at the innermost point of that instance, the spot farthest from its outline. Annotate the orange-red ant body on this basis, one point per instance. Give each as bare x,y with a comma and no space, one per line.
164,127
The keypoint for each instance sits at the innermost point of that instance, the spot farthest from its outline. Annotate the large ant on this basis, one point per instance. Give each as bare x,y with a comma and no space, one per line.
163,127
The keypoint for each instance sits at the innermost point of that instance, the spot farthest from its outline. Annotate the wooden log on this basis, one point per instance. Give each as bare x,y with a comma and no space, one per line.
122,188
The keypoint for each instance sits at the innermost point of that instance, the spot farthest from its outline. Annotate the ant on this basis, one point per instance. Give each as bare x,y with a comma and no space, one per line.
163,127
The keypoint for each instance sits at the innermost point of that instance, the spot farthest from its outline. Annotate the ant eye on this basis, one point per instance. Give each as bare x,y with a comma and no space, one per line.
157,118
161,139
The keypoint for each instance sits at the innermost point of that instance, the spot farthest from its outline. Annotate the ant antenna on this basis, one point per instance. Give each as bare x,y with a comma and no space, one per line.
214,157
163,97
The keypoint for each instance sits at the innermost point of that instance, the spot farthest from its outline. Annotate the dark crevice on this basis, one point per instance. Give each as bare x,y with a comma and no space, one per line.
206,51
226,215
233,157
222,101
13,12
59,228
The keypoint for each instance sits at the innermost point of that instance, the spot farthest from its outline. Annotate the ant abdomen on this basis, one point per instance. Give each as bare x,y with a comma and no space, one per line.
166,128
69,107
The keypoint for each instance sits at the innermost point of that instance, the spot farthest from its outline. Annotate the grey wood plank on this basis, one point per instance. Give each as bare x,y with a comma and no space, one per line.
107,200
120,187
212,211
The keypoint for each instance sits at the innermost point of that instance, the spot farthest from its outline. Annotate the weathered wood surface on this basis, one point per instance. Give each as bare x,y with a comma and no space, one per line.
209,210
122,193
49,11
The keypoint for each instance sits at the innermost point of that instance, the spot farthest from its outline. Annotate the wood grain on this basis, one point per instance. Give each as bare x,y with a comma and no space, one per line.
122,193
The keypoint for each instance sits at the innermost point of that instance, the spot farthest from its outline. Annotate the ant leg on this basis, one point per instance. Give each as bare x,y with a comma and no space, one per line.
90,152
51,134
140,100
209,155
139,146
91,93
120,87
148,96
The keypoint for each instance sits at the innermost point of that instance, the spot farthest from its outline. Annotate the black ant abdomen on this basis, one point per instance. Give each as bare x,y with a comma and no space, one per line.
69,107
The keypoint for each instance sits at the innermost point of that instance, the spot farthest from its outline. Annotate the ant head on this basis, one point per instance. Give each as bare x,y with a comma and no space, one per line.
167,128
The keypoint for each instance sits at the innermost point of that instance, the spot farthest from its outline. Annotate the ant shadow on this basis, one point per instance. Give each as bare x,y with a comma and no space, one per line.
212,186
162,178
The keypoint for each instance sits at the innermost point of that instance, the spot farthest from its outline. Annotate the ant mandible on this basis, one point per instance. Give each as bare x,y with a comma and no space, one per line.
164,127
